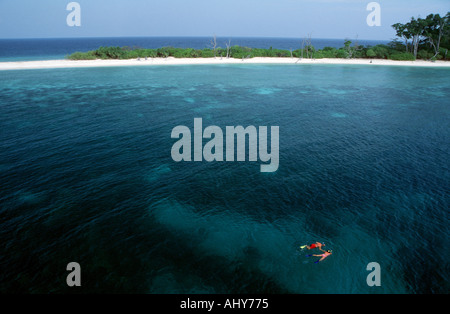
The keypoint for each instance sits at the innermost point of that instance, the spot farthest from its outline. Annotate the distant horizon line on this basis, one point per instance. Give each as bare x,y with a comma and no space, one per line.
174,36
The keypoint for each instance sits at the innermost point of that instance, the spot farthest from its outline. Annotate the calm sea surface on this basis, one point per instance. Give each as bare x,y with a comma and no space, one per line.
87,176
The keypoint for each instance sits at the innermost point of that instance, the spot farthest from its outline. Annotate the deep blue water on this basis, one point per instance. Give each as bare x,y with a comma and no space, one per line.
53,49
87,176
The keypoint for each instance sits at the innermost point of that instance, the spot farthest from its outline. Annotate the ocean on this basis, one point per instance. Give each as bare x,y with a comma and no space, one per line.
87,176
59,48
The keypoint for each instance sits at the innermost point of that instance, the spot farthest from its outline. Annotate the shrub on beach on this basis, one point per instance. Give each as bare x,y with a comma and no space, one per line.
239,52
403,56
82,56
381,51
424,55
111,53
370,53
329,52
341,53
445,53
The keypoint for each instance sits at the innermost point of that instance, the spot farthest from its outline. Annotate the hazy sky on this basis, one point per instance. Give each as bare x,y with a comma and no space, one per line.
227,18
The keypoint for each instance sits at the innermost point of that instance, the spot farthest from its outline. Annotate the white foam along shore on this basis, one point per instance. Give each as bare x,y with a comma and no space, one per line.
55,64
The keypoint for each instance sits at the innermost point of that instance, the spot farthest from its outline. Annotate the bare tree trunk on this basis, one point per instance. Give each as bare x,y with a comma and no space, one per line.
228,44
306,47
416,44
438,44
309,46
214,44
303,47
301,53
357,47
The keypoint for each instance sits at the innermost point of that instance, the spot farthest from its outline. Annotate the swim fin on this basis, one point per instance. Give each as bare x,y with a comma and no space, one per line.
303,246
308,255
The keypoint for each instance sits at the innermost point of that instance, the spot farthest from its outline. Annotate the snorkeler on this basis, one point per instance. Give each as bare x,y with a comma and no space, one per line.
324,256
316,245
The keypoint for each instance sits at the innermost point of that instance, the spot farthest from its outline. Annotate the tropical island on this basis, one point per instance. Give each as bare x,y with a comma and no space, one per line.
420,42
424,39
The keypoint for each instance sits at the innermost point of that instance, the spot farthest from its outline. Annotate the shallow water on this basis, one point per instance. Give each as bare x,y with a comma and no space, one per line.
87,176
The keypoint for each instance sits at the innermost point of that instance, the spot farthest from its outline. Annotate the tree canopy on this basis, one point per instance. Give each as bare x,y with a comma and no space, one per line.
430,33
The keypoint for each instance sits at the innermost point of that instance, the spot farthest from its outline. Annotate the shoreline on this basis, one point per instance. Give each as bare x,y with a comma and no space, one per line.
57,64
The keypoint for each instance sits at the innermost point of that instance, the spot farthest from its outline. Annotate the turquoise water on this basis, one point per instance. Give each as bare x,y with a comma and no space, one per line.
87,177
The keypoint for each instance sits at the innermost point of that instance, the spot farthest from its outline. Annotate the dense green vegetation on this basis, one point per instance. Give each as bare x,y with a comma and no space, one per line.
128,53
426,39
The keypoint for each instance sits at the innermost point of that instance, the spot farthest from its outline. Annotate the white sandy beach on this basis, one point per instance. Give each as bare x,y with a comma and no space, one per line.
54,64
